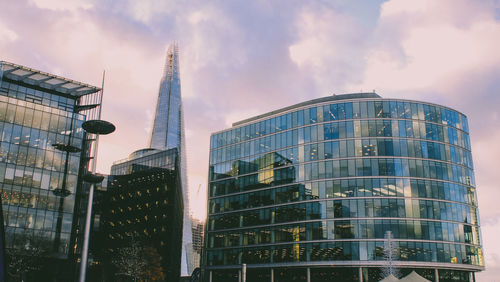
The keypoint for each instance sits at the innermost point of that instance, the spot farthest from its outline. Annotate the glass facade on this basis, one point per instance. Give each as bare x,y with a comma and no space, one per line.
168,133
38,181
320,183
30,167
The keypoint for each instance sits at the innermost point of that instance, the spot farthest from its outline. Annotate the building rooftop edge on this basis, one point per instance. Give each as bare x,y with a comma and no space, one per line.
334,97
141,153
45,80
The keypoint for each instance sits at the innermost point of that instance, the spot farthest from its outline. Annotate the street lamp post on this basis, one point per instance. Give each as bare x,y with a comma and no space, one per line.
97,127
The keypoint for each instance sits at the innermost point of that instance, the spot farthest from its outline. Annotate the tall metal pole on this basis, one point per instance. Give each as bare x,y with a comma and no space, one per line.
83,263
244,272
85,249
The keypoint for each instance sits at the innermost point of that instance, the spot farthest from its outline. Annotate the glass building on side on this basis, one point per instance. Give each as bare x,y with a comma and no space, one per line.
308,192
43,151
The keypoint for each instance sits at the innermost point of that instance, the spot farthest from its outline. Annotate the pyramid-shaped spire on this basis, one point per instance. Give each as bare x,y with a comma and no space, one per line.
167,126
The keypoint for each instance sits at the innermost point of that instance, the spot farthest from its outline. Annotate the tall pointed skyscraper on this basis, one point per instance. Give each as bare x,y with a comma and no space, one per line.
167,128
167,133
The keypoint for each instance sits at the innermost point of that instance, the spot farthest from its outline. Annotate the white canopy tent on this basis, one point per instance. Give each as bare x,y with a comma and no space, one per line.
390,278
412,277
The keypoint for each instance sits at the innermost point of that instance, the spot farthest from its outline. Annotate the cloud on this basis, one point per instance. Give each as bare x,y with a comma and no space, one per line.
330,47
62,5
147,11
6,34
417,44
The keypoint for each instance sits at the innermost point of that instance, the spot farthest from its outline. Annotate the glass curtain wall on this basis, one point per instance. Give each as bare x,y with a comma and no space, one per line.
323,182
31,121
43,149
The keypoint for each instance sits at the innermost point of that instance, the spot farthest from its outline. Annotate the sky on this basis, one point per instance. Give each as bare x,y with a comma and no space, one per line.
242,58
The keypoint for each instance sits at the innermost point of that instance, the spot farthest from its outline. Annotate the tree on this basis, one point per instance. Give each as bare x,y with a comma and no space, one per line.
389,254
25,253
139,262
154,270
129,261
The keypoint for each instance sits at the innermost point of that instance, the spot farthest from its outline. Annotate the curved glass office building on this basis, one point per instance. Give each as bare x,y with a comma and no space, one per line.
309,193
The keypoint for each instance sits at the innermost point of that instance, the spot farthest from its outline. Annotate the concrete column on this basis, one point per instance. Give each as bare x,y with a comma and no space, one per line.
308,274
436,273
360,274
272,274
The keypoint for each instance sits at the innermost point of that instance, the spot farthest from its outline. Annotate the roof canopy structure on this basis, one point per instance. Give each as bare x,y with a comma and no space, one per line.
45,80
